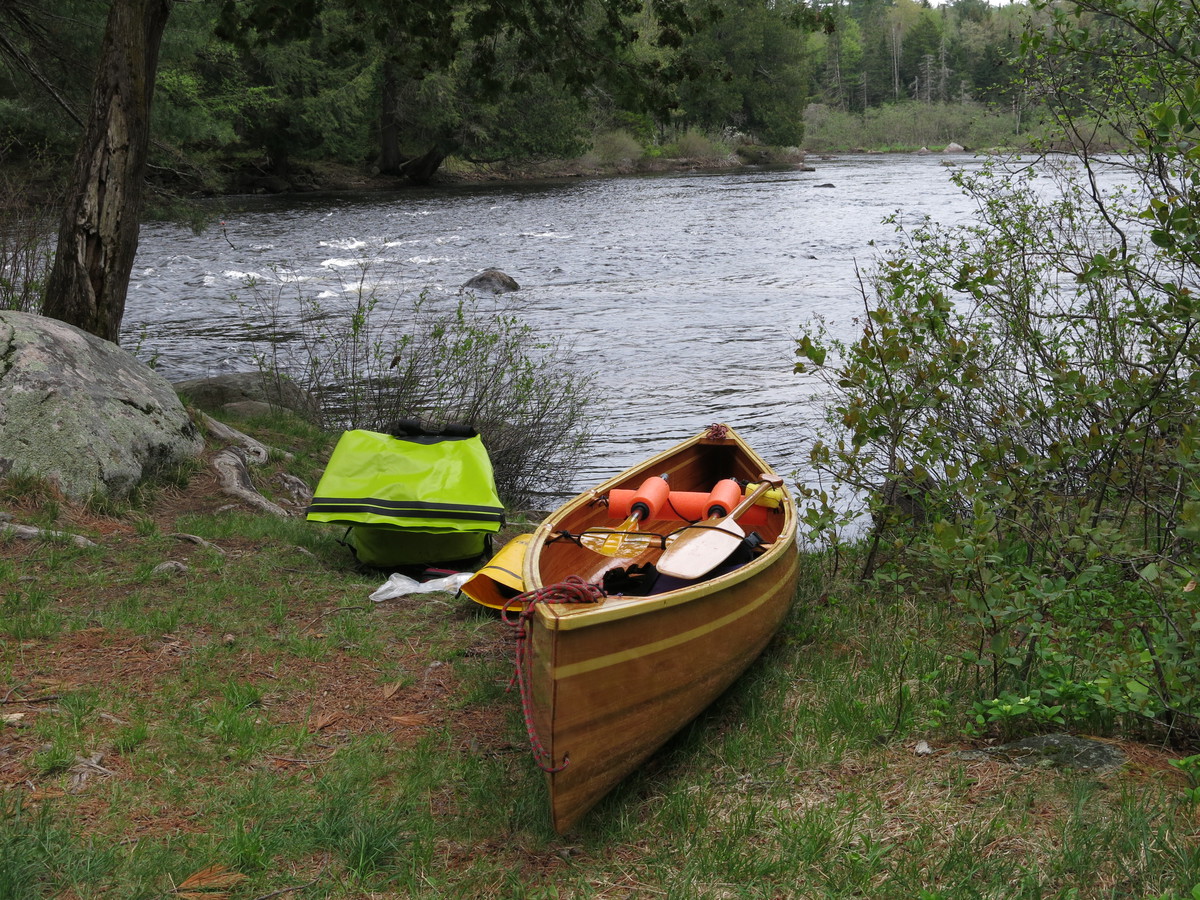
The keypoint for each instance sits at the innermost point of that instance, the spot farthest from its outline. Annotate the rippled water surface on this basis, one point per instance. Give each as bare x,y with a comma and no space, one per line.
683,292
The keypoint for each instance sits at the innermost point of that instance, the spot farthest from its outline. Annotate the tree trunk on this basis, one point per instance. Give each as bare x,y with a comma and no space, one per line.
422,169
98,236
895,63
390,159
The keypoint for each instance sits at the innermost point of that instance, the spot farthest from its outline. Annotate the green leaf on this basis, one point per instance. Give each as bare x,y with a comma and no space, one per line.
815,352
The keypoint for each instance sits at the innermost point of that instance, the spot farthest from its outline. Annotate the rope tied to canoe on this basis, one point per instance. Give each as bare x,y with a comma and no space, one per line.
717,432
572,589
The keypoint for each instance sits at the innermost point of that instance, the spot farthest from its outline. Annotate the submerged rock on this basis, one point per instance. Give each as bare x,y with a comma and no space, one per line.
493,281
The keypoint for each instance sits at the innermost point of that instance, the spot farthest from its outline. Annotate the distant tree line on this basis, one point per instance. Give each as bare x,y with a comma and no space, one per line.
402,86
886,51
255,87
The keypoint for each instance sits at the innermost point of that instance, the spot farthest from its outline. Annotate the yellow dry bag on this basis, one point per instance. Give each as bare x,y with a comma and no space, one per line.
413,499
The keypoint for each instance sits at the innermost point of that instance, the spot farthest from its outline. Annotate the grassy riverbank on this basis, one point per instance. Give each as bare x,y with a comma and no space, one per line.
248,724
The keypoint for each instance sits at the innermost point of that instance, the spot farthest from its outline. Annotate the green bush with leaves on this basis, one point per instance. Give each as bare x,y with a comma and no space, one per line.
371,363
693,144
1028,386
615,148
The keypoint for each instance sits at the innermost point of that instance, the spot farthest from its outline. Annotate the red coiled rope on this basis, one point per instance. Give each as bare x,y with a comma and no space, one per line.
717,432
573,589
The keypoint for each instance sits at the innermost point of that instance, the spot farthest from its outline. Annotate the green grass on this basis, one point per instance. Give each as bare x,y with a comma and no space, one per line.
262,721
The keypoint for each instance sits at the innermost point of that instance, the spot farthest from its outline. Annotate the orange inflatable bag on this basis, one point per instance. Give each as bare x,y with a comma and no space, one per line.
687,506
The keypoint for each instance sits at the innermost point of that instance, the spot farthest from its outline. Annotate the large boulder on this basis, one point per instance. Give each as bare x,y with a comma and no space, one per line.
83,413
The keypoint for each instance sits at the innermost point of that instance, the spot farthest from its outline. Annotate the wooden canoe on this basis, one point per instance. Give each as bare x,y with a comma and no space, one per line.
608,683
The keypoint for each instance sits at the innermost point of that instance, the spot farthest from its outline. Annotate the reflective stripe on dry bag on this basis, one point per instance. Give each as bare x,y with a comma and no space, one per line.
404,508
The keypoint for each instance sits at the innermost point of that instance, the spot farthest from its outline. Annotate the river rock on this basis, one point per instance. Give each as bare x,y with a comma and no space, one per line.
953,148
248,394
492,281
83,413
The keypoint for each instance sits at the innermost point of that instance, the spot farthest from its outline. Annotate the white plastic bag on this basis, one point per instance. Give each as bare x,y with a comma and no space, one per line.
401,585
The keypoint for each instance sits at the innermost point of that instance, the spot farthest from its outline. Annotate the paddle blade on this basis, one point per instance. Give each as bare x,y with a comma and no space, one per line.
614,544
700,549
624,540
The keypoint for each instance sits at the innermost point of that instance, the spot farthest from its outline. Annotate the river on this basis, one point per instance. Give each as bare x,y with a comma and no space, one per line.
683,292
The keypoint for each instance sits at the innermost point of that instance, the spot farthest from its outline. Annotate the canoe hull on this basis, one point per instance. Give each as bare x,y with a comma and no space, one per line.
610,685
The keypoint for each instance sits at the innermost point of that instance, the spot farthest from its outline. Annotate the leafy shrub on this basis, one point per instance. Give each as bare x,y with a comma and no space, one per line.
639,125
371,363
1034,373
694,144
616,148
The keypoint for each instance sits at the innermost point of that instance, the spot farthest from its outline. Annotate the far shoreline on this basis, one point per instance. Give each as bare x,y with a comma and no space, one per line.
327,177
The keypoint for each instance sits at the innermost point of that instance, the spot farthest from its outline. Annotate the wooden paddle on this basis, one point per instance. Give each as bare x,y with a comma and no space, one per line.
615,543
624,539
702,547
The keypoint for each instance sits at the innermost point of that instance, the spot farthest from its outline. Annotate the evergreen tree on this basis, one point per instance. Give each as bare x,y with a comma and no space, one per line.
748,71
919,68
47,60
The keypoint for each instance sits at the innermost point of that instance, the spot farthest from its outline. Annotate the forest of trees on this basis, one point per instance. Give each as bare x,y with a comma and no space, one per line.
881,52
243,88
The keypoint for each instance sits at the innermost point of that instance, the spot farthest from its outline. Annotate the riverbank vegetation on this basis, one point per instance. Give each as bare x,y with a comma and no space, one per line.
244,722
1021,402
369,359
912,126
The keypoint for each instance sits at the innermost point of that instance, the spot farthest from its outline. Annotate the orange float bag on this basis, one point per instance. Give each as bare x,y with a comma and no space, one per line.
682,506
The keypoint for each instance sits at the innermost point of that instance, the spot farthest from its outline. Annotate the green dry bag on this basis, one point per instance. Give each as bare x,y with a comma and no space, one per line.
416,499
